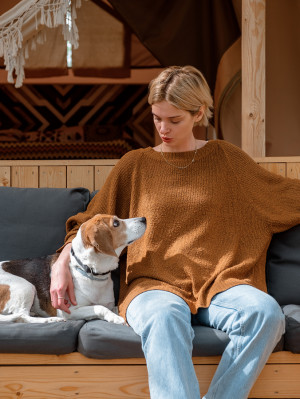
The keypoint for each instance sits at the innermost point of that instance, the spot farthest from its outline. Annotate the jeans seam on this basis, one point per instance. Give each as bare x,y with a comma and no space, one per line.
237,349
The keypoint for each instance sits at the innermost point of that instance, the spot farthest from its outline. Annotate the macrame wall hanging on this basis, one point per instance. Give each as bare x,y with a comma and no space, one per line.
22,27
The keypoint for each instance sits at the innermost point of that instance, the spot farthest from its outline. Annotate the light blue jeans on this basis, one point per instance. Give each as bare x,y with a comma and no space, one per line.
252,319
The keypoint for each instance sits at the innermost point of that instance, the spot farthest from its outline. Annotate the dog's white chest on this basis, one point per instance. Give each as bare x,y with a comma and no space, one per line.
92,292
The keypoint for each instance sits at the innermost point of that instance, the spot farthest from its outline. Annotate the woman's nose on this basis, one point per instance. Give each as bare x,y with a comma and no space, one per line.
164,128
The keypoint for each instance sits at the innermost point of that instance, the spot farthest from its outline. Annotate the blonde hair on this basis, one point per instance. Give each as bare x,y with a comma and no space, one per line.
184,88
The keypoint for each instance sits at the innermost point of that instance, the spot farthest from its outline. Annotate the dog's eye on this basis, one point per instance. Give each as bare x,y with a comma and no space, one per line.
116,223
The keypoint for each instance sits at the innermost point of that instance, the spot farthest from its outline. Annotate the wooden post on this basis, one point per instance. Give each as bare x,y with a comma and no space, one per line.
253,77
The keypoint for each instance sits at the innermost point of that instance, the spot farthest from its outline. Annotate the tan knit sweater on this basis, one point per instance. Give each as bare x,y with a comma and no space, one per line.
208,226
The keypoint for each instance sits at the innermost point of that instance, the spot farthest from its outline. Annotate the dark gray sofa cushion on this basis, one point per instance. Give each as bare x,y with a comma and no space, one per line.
32,221
292,334
283,267
51,338
101,340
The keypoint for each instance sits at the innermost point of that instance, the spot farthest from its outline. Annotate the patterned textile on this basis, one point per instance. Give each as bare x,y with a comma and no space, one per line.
73,121
92,150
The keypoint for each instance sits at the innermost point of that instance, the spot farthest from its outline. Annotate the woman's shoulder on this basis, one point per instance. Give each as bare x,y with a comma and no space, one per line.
135,155
132,158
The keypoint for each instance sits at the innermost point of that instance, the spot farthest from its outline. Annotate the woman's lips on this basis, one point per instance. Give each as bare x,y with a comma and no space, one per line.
166,139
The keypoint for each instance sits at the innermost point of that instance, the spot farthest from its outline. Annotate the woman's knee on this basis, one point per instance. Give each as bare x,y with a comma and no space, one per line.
268,314
158,309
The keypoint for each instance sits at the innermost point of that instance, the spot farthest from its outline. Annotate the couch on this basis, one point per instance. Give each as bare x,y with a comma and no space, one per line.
32,224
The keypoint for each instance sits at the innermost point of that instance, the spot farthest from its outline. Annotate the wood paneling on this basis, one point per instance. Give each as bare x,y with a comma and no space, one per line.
25,176
53,176
253,77
93,173
293,170
82,377
56,174
278,168
80,176
101,173
5,176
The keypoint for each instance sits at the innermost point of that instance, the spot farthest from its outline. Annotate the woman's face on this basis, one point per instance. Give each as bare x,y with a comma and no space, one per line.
174,126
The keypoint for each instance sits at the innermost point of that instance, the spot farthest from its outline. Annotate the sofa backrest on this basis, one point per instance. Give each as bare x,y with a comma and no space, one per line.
283,267
32,220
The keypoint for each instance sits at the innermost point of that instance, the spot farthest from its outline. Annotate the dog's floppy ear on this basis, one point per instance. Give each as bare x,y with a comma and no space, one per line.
99,236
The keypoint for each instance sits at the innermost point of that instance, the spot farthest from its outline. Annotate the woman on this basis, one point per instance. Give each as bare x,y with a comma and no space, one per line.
211,212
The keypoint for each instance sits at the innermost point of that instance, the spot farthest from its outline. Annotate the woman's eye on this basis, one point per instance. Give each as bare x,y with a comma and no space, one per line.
116,223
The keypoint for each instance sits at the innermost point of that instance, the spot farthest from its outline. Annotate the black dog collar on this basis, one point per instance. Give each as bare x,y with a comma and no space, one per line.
86,270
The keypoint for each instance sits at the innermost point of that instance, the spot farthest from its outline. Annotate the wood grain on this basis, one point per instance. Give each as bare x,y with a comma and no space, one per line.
253,77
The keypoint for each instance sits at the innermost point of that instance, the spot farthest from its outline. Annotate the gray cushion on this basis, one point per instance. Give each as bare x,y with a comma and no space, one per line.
32,221
283,267
292,334
101,340
52,338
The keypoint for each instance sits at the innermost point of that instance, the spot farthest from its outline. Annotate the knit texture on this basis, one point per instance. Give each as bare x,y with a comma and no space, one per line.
208,226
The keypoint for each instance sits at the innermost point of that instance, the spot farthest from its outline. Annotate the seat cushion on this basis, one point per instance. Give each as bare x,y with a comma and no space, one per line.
283,267
51,338
102,340
292,334
32,220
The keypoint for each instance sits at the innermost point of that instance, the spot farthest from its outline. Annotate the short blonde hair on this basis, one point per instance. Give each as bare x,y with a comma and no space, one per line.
184,88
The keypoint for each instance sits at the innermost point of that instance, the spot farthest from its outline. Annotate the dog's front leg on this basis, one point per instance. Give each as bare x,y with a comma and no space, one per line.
93,312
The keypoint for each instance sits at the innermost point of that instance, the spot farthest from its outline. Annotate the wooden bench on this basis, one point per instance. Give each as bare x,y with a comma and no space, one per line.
75,376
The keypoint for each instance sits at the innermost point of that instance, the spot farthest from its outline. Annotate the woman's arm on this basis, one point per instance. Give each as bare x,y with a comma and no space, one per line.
62,288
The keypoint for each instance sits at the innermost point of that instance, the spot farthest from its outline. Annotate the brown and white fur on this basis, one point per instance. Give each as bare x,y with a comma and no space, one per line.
25,284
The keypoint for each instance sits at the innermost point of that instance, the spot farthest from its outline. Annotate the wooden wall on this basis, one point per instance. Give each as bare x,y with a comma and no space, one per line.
93,173
58,174
284,166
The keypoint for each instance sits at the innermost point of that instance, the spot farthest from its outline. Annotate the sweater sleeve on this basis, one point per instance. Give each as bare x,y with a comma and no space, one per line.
275,198
112,199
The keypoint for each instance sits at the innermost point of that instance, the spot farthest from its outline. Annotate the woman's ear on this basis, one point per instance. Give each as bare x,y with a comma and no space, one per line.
199,114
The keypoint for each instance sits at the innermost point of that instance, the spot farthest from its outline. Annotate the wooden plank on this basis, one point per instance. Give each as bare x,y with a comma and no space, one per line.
121,381
62,162
293,170
53,176
112,162
25,176
277,159
82,382
278,381
75,358
80,176
278,168
253,77
101,173
5,176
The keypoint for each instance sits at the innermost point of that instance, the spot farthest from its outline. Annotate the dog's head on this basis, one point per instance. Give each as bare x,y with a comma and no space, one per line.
107,234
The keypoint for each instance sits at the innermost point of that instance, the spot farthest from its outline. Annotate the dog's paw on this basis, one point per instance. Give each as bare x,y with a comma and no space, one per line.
54,319
113,318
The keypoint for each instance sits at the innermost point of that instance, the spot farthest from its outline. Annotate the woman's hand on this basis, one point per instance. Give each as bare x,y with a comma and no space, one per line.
62,288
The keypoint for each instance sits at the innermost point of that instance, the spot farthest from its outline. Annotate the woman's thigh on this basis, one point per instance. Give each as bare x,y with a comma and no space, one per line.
155,307
239,303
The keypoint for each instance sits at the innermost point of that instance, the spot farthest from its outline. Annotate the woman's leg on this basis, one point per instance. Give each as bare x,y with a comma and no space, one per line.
163,321
255,323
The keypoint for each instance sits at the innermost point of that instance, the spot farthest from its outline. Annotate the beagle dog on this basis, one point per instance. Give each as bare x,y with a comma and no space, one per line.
95,251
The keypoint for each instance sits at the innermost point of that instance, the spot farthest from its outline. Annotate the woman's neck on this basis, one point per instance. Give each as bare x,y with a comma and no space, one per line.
195,144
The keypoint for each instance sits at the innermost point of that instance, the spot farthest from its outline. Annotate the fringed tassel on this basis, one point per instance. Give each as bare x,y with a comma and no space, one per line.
42,21
48,12
20,70
49,19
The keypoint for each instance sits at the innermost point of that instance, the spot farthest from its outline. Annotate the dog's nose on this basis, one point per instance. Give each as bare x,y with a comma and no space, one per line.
143,220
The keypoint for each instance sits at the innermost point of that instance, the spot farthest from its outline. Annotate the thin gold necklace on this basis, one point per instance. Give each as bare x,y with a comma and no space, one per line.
175,166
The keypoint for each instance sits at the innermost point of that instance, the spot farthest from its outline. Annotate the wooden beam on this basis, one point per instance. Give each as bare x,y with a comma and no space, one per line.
253,77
